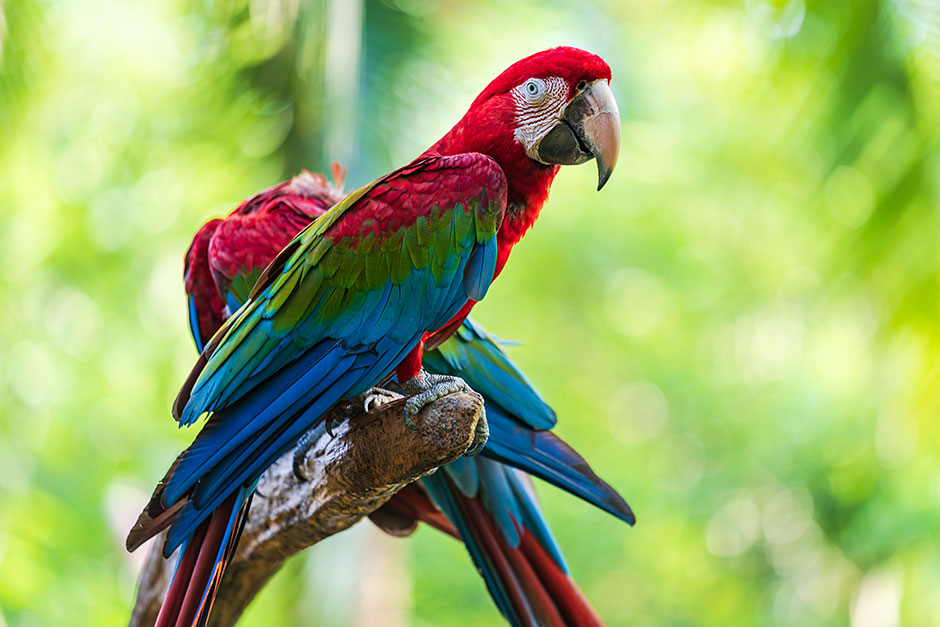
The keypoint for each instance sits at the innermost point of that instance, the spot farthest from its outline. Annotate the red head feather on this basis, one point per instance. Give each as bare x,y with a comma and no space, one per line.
572,64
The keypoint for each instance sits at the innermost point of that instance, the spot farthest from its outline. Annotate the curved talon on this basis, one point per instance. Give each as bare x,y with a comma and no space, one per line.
304,444
329,422
475,448
373,399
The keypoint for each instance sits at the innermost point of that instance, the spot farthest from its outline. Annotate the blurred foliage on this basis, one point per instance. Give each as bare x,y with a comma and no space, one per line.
740,331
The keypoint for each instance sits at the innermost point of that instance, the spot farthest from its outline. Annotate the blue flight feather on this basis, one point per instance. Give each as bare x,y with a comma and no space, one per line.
280,434
239,422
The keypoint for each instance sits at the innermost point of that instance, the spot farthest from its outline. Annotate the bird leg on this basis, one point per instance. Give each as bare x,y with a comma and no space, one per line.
425,388
362,404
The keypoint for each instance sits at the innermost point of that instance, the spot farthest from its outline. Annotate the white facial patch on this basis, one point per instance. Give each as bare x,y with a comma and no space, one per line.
540,103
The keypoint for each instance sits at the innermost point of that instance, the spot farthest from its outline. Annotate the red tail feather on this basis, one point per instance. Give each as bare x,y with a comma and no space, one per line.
562,589
538,589
174,596
187,602
522,584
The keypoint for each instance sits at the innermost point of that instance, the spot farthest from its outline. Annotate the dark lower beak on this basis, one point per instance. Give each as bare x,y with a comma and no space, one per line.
588,129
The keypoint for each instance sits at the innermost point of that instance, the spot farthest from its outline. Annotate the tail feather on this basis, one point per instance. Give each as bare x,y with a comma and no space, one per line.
202,563
173,601
566,594
523,570
532,600
482,548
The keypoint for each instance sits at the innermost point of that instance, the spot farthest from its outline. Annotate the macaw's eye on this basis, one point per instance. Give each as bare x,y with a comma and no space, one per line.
534,89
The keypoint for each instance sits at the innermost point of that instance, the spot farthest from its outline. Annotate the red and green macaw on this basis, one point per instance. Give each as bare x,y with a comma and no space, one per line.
481,500
357,294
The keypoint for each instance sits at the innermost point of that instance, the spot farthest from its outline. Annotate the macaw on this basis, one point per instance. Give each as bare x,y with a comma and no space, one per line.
353,299
480,500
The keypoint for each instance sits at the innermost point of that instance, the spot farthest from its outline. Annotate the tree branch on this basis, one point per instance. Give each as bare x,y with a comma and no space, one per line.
351,474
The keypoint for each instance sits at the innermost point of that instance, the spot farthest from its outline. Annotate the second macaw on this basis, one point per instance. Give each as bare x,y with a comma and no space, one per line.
354,298
481,500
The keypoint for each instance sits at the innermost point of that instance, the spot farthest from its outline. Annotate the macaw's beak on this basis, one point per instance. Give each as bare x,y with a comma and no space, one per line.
589,128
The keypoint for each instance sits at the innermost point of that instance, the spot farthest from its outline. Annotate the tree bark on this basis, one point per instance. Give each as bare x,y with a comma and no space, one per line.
348,475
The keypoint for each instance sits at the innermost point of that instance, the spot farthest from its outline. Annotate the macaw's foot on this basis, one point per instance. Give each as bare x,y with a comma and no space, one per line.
364,403
426,388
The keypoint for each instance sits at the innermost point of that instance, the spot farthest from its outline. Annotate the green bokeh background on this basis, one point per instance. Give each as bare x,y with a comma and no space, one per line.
739,332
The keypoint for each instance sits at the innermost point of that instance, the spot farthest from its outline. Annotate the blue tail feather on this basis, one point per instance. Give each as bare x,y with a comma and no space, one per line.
509,510
224,546
532,517
463,473
499,500
442,492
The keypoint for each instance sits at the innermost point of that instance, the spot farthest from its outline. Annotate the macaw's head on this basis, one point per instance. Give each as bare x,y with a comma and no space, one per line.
550,109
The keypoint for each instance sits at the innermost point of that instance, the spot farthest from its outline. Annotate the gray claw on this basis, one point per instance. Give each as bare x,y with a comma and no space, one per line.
375,398
304,444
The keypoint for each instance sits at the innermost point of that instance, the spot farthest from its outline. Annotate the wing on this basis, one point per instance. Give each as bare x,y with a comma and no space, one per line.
381,264
335,311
